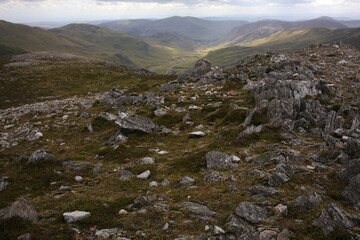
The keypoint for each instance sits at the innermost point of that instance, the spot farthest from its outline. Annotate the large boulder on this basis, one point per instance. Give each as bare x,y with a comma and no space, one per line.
20,208
201,67
40,155
134,123
251,212
351,169
331,219
240,226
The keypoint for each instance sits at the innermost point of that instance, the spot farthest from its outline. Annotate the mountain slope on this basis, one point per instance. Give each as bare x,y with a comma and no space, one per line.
87,40
287,40
194,28
173,39
265,28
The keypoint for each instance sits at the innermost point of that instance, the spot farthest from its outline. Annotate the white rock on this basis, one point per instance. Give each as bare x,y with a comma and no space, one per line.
145,175
106,233
78,178
160,112
165,182
281,210
153,184
147,160
218,230
71,217
162,152
207,228
235,158
166,226
123,212
197,134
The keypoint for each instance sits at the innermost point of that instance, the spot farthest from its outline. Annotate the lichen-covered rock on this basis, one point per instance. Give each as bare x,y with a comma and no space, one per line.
20,208
332,219
310,200
251,212
213,177
278,179
240,226
351,169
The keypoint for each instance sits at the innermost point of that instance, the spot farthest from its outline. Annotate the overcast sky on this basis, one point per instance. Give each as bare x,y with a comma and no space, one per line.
24,11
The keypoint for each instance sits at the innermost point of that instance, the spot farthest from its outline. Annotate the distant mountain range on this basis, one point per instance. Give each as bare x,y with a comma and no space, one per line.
199,30
174,44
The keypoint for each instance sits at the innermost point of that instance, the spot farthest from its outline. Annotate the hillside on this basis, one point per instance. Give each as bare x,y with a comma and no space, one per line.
284,41
203,31
90,41
265,150
252,31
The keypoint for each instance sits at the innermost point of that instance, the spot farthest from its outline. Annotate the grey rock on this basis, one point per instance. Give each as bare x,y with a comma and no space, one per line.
75,166
352,192
274,157
281,210
216,159
40,155
25,236
3,183
278,179
351,169
165,182
107,233
171,87
75,216
125,175
187,180
34,135
140,202
199,210
118,138
20,208
310,200
160,112
197,134
251,212
265,191
131,123
331,219
213,177
240,226
147,160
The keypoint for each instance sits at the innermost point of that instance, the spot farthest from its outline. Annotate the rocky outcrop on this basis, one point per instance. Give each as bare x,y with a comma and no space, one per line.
331,219
352,192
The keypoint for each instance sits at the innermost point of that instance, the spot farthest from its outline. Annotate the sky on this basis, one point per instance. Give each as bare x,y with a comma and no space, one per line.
27,11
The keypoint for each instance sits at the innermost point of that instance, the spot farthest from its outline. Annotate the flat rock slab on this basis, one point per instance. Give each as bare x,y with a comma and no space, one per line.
197,134
71,217
199,210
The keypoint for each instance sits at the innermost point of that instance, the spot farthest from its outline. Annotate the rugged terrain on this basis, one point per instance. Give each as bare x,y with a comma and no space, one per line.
264,150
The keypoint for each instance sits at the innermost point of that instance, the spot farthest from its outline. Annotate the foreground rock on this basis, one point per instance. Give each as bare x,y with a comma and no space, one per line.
352,192
75,216
332,219
20,208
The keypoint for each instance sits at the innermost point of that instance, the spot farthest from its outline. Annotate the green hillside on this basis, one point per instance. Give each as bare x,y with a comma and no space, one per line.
287,40
173,39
